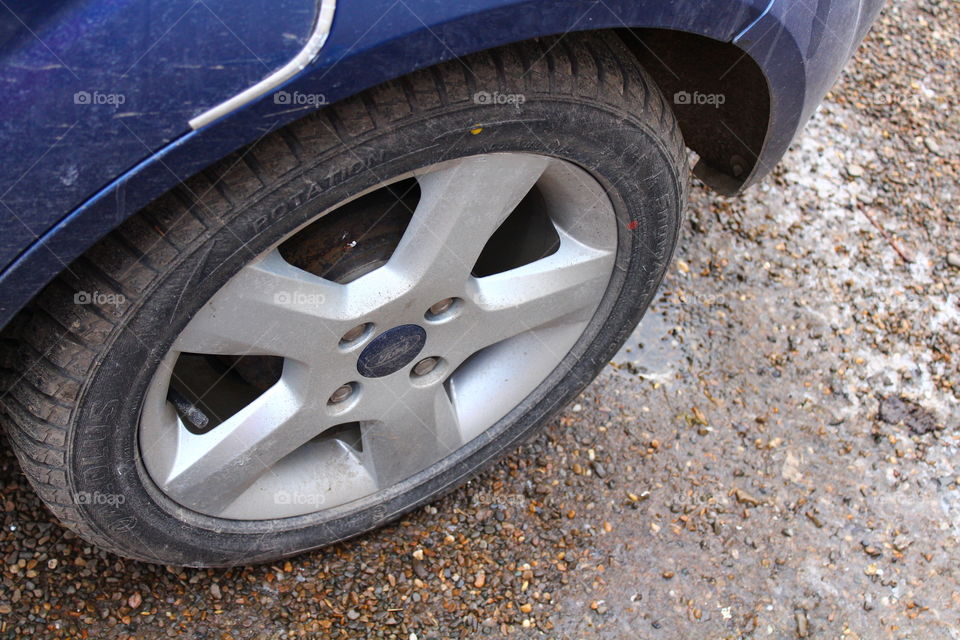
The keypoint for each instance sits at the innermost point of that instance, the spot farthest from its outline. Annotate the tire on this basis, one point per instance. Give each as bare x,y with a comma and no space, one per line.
87,350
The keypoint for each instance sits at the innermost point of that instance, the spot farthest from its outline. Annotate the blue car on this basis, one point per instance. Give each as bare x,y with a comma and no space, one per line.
277,272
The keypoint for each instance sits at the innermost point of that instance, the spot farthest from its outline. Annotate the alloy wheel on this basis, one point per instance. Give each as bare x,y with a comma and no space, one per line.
296,389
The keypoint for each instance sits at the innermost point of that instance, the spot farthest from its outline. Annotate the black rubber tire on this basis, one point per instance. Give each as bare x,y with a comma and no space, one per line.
78,372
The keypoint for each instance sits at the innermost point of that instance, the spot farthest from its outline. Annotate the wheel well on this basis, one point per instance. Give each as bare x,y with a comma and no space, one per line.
728,125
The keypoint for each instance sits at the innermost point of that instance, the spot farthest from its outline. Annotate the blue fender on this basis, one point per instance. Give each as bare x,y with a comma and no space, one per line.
801,46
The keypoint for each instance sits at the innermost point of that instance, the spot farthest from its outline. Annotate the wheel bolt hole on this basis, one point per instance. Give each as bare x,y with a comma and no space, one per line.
442,309
425,366
342,393
356,334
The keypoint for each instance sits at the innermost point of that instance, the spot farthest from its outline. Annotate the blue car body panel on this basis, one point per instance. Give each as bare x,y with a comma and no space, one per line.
91,87
73,172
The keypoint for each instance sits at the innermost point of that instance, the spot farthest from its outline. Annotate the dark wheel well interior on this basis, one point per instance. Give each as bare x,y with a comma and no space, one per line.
718,94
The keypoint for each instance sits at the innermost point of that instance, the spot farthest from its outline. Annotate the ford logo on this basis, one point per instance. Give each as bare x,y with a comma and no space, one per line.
391,351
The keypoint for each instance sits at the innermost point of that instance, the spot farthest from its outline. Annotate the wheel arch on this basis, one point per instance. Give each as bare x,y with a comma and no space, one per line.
682,39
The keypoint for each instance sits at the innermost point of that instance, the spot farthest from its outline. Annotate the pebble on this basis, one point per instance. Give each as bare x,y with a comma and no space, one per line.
745,498
854,170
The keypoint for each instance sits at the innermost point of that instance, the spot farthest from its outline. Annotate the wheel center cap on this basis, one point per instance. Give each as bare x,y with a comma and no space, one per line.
391,351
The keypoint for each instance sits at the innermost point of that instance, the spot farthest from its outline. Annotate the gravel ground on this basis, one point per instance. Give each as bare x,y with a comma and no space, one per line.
773,454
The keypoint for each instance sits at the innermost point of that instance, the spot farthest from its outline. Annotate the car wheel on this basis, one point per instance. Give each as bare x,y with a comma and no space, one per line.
355,314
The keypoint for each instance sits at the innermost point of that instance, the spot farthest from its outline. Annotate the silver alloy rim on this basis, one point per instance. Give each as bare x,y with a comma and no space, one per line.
496,338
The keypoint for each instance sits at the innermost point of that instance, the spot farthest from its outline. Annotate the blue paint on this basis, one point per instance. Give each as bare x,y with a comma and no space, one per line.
90,88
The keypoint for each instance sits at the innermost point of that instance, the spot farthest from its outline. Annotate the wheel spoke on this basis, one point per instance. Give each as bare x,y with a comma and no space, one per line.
460,208
563,288
206,472
419,429
489,385
269,308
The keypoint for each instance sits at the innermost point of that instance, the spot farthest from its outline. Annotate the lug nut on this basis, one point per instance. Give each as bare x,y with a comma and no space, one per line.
341,394
425,366
354,333
441,306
